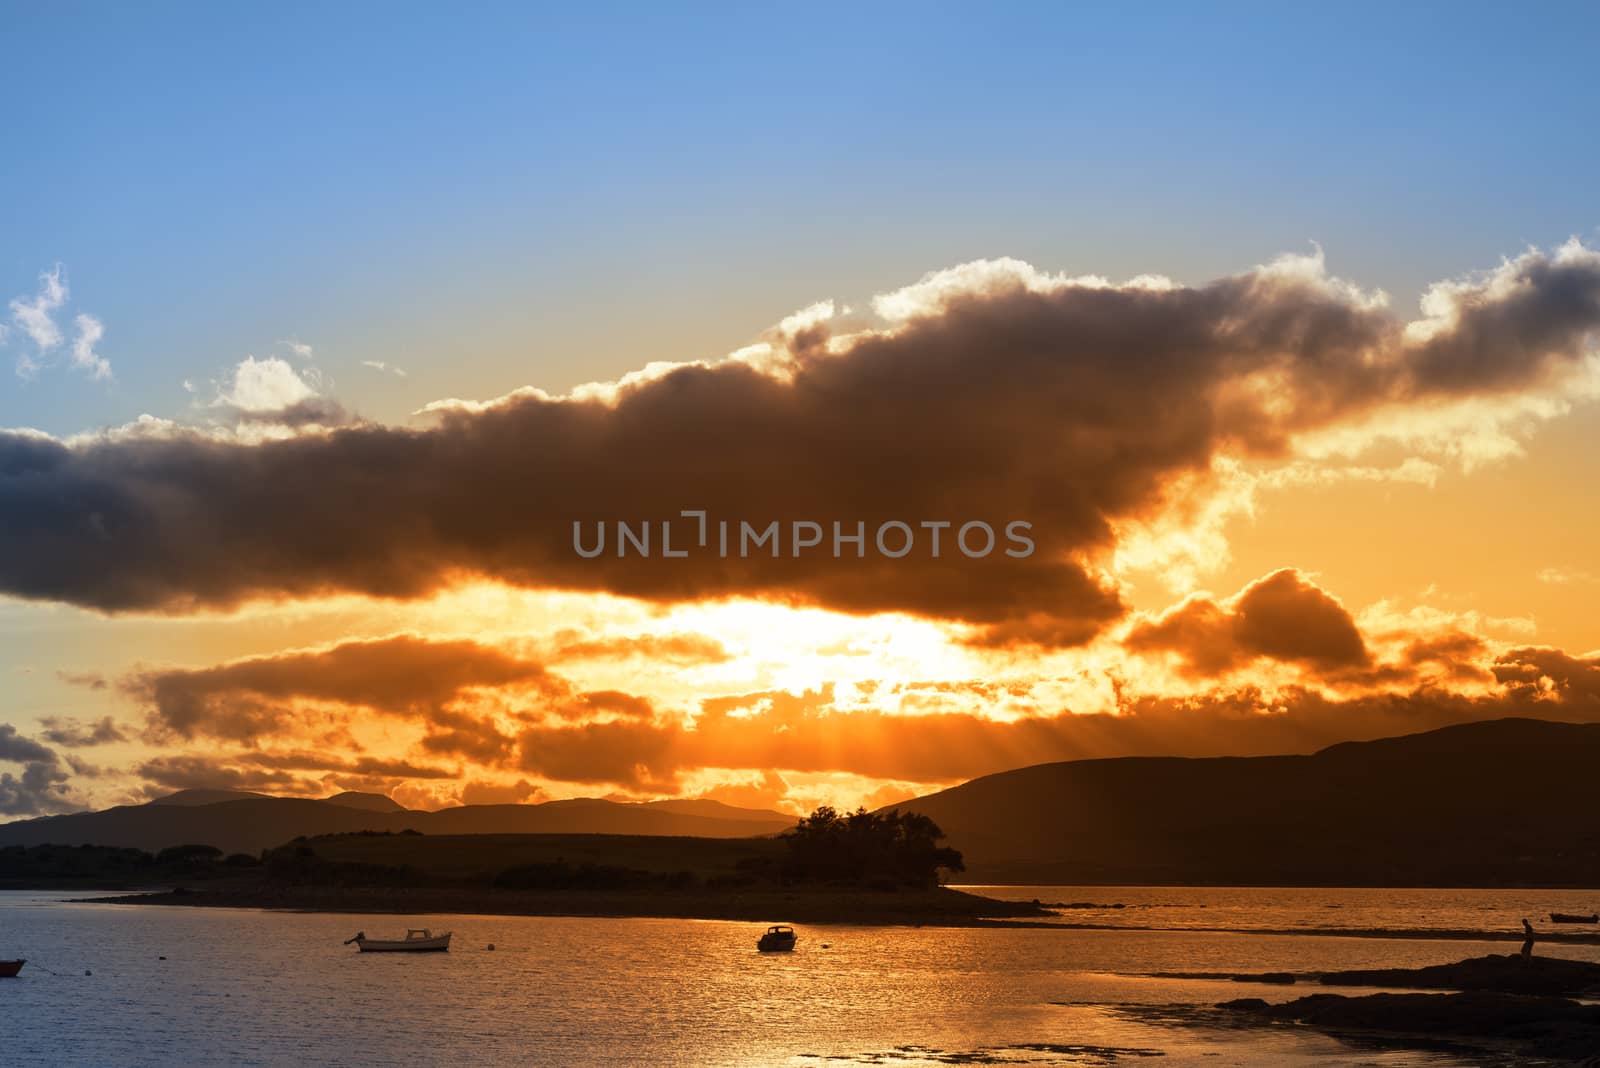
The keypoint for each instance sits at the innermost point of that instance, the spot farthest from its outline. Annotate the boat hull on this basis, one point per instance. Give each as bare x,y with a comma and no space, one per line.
415,945
10,968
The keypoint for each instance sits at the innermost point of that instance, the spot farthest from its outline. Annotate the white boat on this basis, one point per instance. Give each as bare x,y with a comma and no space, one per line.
417,940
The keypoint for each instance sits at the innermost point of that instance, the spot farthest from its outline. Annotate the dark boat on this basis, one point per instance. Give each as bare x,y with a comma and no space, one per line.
1572,917
778,939
10,968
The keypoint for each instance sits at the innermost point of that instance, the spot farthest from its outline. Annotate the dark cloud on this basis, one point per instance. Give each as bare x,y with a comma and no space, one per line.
42,787
1281,617
196,771
355,764
20,749
1542,673
76,734
1069,407
313,411
287,772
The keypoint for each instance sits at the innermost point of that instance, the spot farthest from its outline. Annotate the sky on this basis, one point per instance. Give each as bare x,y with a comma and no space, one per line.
323,327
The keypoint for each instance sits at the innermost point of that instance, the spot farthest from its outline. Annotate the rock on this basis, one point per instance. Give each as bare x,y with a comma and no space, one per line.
1546,1026
1508,974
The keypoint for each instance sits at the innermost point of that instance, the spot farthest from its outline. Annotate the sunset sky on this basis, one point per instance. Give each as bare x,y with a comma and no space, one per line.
320,332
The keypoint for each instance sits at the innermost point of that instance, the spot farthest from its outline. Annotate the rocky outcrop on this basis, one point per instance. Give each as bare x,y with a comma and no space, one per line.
1555,1028
1506,974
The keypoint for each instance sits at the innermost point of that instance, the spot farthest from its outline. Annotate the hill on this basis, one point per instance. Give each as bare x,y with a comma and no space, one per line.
370,802
1503,802
249,823
191,798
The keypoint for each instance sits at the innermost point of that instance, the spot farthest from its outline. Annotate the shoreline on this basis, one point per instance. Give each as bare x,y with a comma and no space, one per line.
1425,934
937,908
941,908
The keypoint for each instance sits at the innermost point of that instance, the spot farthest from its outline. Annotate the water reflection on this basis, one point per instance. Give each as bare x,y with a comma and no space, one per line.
277,989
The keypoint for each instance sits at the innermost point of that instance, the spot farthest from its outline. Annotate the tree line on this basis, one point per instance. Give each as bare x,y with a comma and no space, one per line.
883,849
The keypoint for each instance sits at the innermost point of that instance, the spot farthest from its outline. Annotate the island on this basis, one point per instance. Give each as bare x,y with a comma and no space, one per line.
831,867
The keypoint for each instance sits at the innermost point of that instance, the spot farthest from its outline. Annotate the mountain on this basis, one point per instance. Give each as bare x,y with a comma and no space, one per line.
700,806
204,797
1502,802
249,823
369,802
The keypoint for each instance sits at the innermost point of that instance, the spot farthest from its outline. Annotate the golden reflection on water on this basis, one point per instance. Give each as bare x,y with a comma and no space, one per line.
278,989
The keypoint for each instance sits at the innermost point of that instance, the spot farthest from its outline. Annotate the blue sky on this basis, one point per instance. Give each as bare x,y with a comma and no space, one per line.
497,196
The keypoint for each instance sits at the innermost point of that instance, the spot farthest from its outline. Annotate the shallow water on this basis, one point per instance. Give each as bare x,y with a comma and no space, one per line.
276,989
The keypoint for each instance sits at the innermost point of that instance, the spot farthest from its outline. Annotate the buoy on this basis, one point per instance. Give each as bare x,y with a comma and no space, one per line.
491,947
161,958
86,971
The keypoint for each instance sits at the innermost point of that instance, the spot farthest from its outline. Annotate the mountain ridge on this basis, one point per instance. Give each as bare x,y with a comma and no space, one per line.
251,823
1486,803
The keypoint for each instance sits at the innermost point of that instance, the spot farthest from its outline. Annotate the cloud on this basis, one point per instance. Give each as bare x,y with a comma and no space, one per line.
76,734
198,772
269,399
498,715
1543,674
91,680
35,316
991,393
672,648
266,385
809,734
84,358
42,788
1281,617
247,699
379,365
21,749
297,772
1562,576
480,792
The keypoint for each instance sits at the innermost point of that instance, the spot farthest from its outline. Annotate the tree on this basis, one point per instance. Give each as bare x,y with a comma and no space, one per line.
894,848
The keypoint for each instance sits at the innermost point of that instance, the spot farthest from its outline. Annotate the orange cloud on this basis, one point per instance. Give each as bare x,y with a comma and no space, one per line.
1280,617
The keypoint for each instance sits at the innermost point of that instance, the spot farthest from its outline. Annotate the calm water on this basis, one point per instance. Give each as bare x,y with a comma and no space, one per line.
277,989
1302,909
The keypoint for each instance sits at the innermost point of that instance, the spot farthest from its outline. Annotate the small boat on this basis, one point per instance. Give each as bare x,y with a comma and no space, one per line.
417,940
1571,917
778,939
10,968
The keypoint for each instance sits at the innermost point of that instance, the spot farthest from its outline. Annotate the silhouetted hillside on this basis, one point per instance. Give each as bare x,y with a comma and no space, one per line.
370,802
189,798
1506,802
251,823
